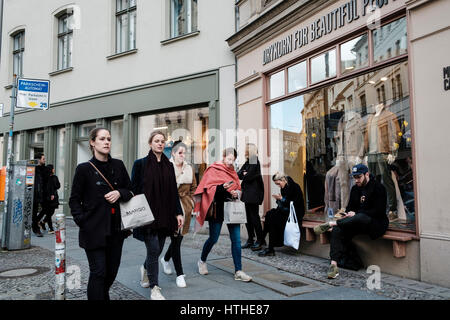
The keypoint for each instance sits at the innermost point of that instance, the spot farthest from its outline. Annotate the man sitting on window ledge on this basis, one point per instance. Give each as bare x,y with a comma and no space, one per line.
365,214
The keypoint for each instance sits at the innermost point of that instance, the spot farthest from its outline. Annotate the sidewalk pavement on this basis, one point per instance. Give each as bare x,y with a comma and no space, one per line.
29,275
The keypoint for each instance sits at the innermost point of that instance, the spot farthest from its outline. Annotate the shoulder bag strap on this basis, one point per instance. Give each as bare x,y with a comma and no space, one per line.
109,184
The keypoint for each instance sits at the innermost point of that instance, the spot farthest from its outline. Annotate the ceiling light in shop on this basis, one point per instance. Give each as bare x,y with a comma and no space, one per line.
350,68
372,82
160,128
383,78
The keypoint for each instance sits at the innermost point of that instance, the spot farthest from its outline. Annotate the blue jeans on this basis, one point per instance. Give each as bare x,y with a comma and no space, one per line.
235,236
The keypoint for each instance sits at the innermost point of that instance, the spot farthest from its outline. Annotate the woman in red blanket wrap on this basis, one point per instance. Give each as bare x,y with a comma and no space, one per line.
220,183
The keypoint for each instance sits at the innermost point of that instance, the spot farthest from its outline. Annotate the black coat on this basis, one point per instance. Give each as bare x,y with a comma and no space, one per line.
137,186
90,210
40,180
370,200
276,219
252,183
52,190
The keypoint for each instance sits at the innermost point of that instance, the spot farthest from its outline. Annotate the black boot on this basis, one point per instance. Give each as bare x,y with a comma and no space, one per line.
248,244
257,246
267,252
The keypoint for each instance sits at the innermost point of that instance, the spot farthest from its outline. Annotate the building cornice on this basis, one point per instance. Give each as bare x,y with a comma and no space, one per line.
276,20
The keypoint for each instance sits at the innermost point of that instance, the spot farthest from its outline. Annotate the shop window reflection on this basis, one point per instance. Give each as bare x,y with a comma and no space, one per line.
325,132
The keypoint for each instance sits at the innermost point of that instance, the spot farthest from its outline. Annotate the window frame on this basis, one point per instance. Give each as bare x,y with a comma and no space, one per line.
18,51
61,35
188,17
118,13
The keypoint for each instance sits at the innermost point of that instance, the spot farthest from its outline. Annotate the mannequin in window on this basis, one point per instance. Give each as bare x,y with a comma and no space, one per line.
350,151
381,143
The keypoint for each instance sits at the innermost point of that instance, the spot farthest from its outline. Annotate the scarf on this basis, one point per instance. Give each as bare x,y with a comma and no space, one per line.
160,189
183,176
214,175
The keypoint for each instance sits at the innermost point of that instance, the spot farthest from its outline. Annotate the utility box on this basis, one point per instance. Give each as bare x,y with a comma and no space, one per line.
20,205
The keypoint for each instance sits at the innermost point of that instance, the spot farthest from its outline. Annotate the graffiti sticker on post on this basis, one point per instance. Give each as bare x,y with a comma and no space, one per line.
33,94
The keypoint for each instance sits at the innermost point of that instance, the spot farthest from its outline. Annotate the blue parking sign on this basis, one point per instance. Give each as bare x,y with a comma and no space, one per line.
33,94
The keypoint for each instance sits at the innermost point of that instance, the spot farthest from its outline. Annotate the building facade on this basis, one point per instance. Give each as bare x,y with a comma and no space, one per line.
336,83
129,65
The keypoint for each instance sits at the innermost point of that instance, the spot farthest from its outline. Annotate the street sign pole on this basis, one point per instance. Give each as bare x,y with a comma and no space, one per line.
9,160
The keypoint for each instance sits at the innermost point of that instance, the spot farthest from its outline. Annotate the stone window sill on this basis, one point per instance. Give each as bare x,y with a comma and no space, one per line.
54,73
121,54
184,36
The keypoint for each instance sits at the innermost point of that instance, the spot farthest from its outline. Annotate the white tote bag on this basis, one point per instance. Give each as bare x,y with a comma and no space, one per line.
234,212
292,230
136,212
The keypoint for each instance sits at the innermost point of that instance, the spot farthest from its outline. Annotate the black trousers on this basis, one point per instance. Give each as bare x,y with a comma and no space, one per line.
46,213
174,252
343,233
253,224
154,242
34,218
103,266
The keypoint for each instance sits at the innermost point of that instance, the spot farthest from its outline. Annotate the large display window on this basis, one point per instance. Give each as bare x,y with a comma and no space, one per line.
319,133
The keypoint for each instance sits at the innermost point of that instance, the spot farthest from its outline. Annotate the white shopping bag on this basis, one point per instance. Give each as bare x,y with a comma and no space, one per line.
136,212
292,230
234,212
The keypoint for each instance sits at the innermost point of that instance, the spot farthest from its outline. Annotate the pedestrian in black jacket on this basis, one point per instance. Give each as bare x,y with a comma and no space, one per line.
154,176
252,195
95,209
365,214
275,219
51,199
38,198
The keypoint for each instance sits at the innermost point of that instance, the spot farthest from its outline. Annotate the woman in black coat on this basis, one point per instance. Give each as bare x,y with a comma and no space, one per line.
252,195
275,219
154,176
51,199
95,209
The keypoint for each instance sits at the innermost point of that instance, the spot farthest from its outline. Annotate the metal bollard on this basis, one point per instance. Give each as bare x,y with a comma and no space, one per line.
60,257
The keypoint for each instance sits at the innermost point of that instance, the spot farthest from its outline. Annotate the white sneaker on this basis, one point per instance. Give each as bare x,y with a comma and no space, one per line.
145,283
202,268
156,294
181,283
166,266
242,276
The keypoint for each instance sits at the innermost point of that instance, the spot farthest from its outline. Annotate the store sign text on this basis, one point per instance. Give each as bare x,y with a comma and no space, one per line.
447,78
347,13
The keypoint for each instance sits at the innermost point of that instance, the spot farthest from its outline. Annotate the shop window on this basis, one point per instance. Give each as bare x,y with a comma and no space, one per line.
189,126
18,49
65,41
183,17
323,66
276,84
317,137
85,128
390,40
117,139
125,25
354,55
297,77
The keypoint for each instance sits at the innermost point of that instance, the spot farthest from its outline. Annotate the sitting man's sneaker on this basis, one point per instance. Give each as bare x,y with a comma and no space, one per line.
156,294
166,266
247,245
256,247
144,282
266,252
202,268
321,228
333,271
242,276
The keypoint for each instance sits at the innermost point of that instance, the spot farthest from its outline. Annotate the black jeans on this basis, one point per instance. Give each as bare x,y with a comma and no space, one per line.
46,213
103,266
34,218
343,233
253,224
174,252
154,242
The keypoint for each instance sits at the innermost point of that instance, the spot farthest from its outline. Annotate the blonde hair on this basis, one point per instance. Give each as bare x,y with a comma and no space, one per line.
251,149
279,176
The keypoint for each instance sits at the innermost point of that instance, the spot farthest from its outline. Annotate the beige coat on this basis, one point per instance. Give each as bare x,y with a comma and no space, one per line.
187,184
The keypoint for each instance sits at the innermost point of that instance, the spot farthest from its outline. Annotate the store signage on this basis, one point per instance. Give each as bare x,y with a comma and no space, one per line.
447,78
33,94
335,19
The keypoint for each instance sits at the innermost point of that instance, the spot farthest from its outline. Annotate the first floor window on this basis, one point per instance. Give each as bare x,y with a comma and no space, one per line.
183,17
65,42
18,49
